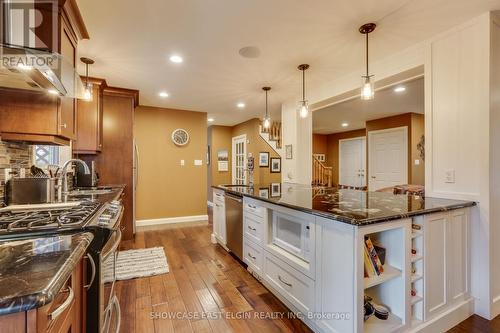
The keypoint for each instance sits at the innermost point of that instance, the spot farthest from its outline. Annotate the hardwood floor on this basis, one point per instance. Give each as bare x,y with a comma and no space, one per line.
476,324
207,290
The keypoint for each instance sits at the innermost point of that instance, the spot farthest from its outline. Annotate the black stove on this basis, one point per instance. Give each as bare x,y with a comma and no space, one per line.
69,218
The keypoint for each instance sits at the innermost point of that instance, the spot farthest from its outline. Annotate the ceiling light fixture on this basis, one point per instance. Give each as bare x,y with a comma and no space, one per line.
399,89
345,124
87,94
241,105
176,59
303,104
367,90
267,118
210,120
163,94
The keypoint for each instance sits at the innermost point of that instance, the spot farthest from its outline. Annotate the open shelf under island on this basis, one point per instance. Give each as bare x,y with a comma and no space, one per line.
307,247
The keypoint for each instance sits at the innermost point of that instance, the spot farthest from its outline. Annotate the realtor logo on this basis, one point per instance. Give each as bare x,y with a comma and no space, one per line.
28,24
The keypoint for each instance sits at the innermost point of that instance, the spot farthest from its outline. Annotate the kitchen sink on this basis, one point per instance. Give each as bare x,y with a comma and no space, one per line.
45,206
77,192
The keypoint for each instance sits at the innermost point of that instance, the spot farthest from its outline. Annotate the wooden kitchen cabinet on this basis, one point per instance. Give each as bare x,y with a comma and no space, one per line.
89,120
39,320
37,116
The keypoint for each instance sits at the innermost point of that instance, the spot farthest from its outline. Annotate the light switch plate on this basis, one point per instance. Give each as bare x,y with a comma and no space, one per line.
182,162
449,176
417,162
198,162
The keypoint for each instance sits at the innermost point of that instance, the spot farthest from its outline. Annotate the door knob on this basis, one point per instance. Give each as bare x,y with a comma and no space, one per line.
374,177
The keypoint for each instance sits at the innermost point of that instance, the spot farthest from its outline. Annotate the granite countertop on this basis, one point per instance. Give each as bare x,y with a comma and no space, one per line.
116,192
348,206
33,270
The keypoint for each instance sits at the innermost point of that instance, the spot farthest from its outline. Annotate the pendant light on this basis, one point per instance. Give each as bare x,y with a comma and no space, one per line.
303,104
87,95
367,90
267,118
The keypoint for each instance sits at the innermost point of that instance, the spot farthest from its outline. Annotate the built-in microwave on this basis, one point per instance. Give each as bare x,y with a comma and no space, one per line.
292,234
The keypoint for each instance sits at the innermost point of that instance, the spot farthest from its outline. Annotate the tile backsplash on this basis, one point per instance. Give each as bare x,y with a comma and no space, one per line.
14,155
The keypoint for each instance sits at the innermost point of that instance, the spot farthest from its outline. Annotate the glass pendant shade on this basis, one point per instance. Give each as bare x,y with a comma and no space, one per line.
267,122
88,95
303,109
367,90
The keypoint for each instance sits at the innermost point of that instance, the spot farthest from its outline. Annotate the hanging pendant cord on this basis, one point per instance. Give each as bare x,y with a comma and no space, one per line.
303,85
266,105
87,74
367,75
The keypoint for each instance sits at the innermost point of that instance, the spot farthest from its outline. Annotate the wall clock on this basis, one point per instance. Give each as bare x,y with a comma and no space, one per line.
180,137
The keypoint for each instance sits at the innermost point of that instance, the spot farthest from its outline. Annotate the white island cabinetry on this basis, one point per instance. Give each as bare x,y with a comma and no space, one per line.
315,266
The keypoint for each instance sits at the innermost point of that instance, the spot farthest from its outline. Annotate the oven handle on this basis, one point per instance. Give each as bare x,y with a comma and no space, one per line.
118,312
115,244
92,264
57,312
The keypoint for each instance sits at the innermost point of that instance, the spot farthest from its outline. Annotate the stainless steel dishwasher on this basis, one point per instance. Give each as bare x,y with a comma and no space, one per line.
234,224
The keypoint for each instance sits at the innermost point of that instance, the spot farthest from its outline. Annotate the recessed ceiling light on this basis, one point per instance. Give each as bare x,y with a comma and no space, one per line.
240,105
211,120
176,59
163,94
399,89
345,124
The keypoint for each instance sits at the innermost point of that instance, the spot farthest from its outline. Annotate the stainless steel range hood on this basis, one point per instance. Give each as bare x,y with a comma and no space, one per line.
31,69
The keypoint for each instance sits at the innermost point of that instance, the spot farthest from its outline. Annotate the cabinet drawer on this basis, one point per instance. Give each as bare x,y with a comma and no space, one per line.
218,198
253,256
294,286
252,229
257,210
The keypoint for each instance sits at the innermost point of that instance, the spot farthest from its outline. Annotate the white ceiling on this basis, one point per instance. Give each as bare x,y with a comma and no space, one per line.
132,40
356,112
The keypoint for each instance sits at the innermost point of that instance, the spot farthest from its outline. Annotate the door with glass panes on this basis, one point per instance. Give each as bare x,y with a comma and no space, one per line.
239,160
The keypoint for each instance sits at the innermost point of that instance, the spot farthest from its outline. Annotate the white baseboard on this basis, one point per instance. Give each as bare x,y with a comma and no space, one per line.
169,220
210,203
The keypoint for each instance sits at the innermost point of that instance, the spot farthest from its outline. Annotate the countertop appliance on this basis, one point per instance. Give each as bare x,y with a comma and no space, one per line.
31,190
234,224
103,220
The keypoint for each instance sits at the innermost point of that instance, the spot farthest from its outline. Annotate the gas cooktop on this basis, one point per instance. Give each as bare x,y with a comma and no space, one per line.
47,219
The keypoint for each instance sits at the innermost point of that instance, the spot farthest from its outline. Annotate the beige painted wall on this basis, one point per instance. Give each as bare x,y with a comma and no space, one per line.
165,188
219,139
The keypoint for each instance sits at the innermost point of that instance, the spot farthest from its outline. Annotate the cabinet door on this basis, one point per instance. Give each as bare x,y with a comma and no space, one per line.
458,256
67,107
436,231
89,122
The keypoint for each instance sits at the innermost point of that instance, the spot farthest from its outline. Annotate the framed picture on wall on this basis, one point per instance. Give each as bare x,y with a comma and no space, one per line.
264,192
275,164
275,190
263,159
288,152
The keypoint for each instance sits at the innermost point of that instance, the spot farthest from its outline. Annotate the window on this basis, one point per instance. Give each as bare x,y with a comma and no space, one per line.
45,155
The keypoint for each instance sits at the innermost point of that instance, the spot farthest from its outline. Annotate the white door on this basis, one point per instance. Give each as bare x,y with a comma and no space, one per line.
239,160
387,158
352,162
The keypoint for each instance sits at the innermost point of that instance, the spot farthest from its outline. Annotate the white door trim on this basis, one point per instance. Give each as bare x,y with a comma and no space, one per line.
340,152
233,156
370,162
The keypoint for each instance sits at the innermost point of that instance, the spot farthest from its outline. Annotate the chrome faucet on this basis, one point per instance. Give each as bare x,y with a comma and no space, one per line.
63,178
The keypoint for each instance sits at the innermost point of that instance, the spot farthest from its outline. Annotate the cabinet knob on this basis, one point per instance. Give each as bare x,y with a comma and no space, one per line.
64,125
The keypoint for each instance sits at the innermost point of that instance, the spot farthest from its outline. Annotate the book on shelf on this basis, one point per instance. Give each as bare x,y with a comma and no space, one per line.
374,259
369,271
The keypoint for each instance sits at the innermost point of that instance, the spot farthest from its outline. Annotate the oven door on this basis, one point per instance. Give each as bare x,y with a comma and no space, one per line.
109,257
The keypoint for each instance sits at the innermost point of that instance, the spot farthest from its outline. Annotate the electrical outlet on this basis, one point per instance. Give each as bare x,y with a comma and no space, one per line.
7,174
417,162
198,162
449,176
22,173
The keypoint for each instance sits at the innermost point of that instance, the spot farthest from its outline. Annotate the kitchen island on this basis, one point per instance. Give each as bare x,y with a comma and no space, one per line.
307,245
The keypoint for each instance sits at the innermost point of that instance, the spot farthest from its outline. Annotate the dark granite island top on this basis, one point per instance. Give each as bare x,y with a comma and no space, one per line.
33,270
348,206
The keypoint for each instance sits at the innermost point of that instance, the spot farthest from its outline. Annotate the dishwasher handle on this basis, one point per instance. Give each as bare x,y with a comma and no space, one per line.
234,198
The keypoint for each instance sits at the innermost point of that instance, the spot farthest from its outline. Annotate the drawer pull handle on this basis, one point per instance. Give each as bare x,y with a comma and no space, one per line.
251,256
92,277
252,228
252,206
64,125
57,312
283,281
